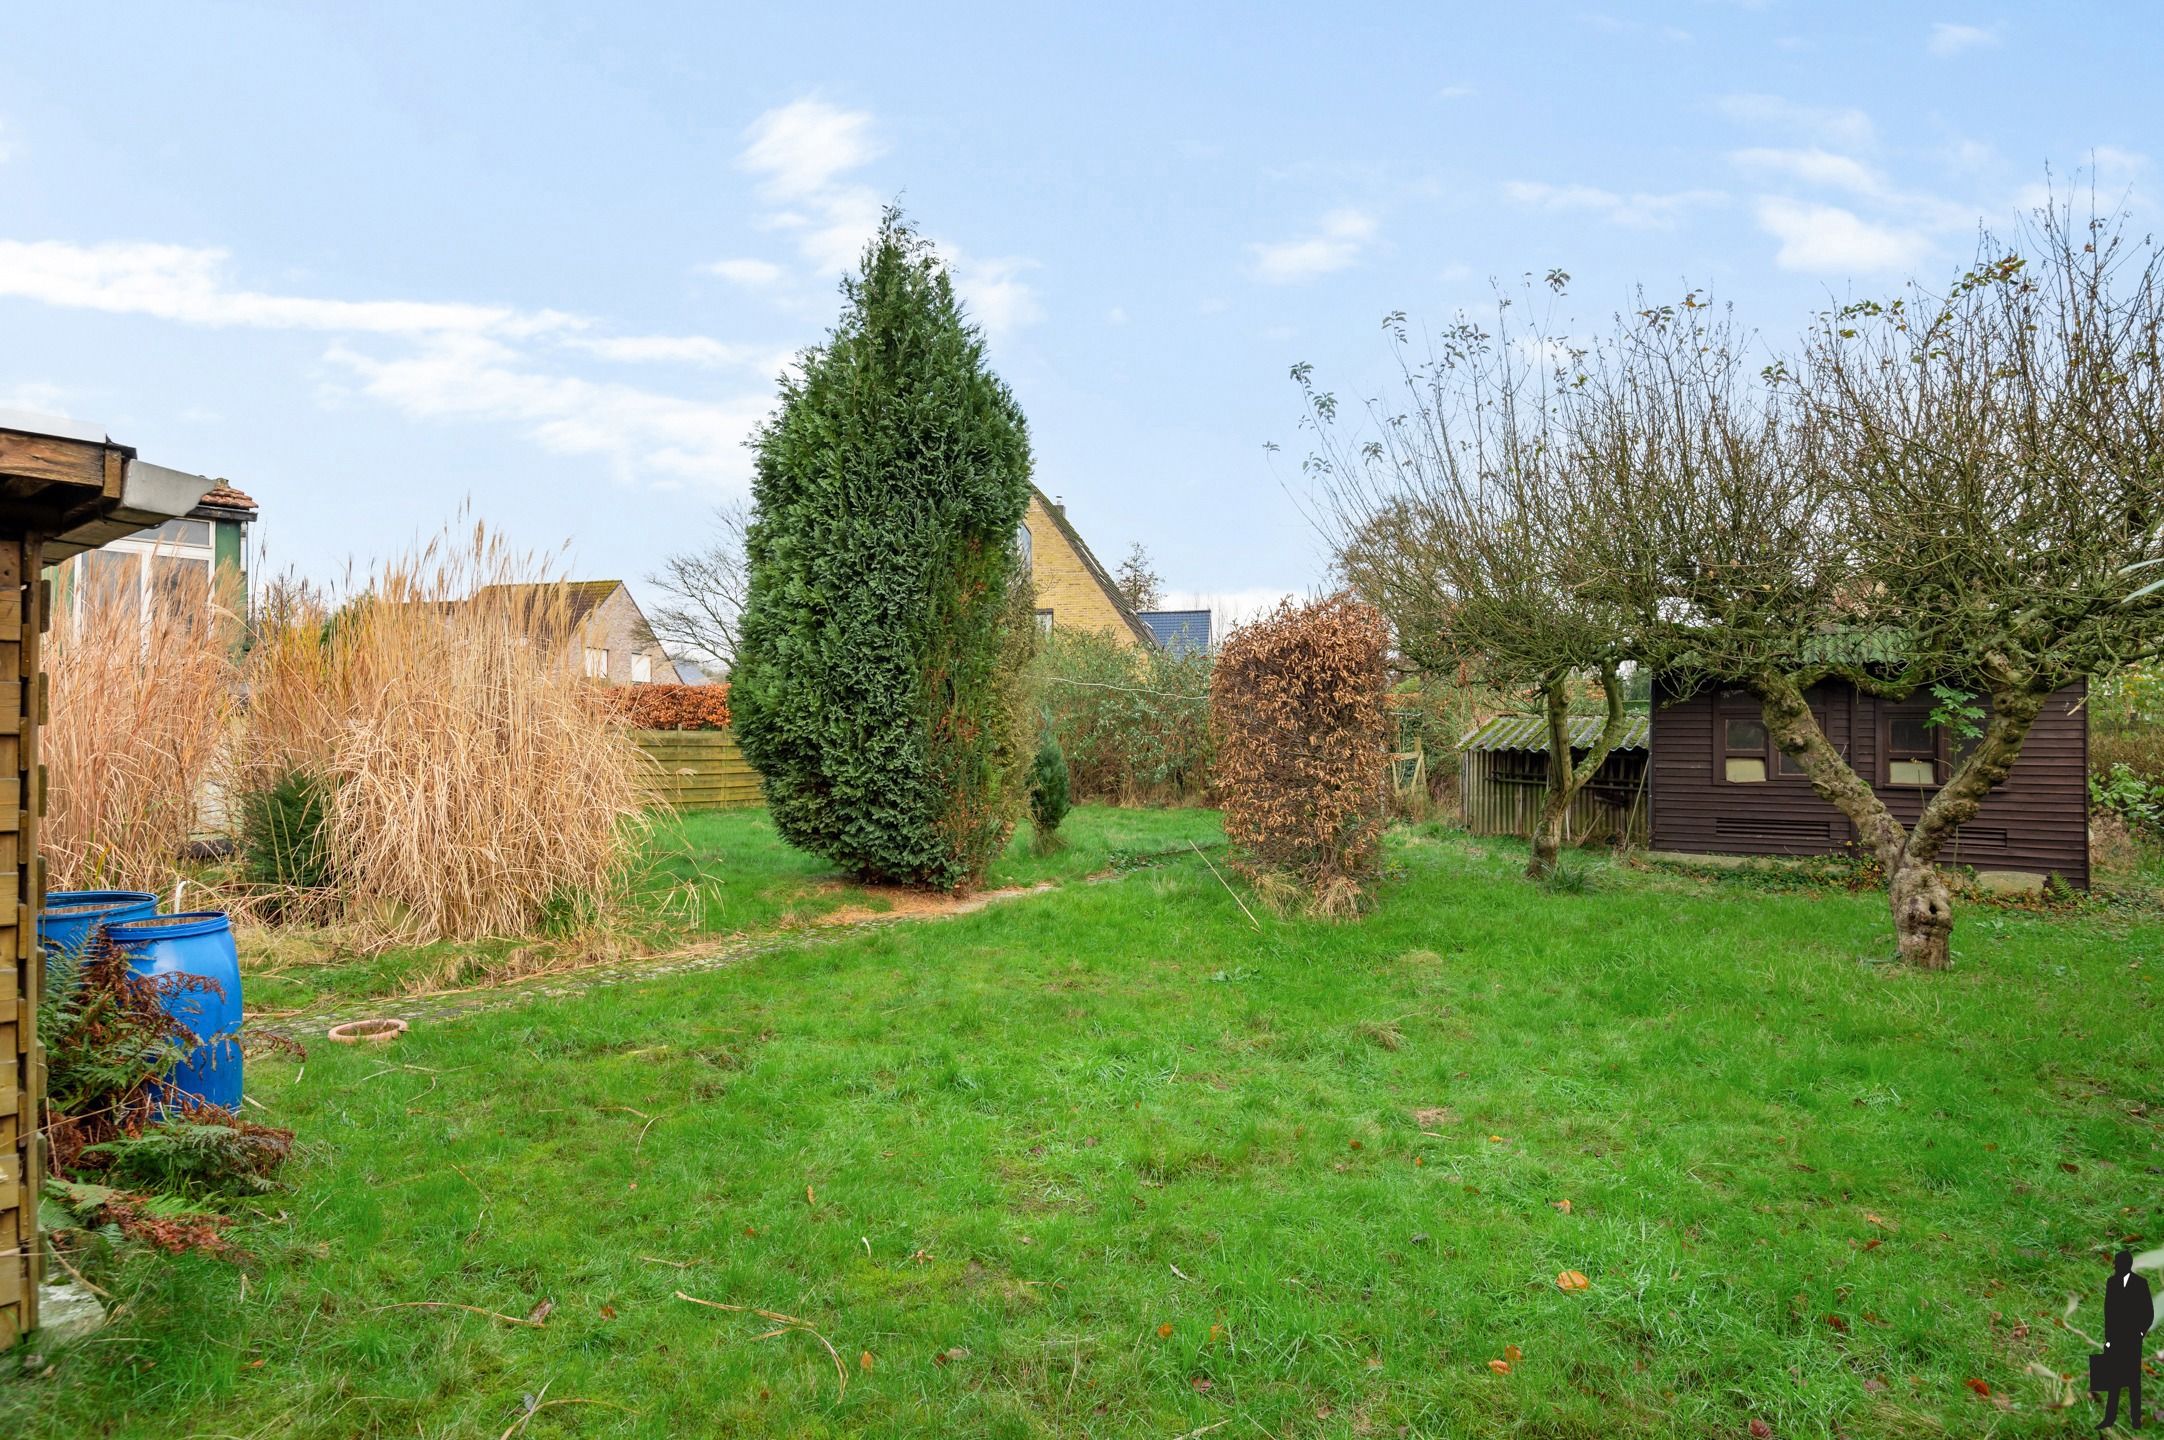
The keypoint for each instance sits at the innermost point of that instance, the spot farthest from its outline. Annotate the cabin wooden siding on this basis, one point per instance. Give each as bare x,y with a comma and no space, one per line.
2036,823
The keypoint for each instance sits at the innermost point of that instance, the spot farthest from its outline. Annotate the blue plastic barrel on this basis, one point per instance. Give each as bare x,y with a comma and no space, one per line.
70,917
196,943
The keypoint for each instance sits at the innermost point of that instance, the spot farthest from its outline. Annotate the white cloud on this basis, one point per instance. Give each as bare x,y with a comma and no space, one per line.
666,349
2113,163
832,236
803,154
35,397
799,148
474,377
1814,167
995,294
1638,210
1828,240
1117,315
800,152
1948,38
174,282
1456,92
1968,157
745,272
1821,125
495,362
1336,245
2114,171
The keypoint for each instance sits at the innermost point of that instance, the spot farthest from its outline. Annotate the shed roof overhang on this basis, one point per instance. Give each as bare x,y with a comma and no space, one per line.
70,484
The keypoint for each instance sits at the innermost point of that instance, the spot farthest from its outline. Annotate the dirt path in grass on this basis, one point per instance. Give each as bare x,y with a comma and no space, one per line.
442,1005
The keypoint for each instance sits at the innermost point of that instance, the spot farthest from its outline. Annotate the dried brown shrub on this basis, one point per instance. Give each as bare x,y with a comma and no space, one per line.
669,707
142,692
475,788
1297,710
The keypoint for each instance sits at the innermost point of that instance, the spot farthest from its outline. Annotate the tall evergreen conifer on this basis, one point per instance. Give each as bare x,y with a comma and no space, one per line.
879,686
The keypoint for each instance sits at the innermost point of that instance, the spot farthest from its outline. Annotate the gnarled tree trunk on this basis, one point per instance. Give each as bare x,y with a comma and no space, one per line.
1922,906
1565,780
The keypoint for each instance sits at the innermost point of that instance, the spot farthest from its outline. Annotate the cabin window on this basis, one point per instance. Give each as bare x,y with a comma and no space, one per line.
1044,622
1743,750
1914,749
1789,766
1023,547
163,573
597,663
642,670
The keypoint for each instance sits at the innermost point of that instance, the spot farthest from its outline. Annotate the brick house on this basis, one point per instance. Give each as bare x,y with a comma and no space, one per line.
611,640
1072,588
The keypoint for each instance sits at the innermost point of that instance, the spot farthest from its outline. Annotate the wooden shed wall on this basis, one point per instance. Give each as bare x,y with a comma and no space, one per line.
1489,804
21,801
698,770
2037,822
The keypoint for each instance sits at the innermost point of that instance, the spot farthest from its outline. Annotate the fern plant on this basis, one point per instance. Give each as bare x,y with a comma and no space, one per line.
197,1157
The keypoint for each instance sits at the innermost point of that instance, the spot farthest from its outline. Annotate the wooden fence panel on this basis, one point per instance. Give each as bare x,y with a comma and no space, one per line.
698,770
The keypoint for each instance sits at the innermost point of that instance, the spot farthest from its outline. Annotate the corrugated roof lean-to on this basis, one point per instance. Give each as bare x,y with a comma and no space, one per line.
1530,732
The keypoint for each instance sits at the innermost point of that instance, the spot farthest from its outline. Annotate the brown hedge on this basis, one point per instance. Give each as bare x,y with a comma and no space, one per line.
1298,713
670,707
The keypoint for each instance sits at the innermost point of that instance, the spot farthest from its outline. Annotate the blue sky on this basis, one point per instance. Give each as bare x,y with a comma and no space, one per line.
371,261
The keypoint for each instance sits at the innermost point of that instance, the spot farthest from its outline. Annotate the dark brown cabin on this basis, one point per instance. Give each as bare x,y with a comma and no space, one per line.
1720,787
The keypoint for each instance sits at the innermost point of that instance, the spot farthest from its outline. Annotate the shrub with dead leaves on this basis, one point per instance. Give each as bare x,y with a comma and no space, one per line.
1297,714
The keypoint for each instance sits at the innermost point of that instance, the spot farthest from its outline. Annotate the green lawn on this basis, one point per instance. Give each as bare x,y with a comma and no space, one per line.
700,877
1108,1161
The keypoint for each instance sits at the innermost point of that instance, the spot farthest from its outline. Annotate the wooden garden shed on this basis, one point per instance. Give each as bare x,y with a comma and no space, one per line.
64,488
1503,772
1721,786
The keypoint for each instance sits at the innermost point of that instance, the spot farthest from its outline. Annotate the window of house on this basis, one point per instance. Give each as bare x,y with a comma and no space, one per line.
166,571
1044,622
597,663
642,670
1743,749
1912,749
1022,544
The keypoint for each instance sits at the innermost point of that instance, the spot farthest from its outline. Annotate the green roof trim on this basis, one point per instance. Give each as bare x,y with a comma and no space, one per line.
1530,732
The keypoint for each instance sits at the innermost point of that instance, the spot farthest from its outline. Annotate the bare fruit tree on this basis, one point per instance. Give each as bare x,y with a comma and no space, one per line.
705,594
1457,515
1942,495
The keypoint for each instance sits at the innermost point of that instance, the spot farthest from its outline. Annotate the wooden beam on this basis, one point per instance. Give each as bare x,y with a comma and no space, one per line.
50,460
